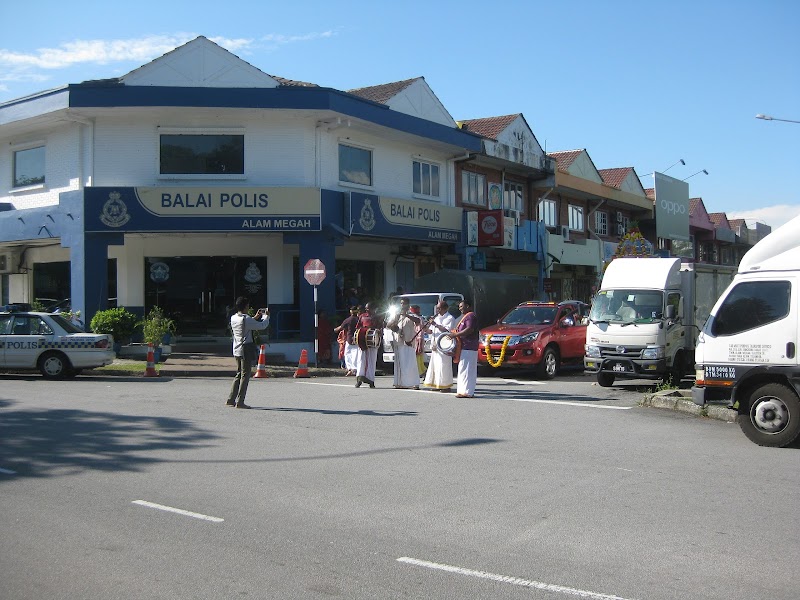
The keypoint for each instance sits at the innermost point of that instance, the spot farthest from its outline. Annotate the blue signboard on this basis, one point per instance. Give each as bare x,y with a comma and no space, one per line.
202,209
378,216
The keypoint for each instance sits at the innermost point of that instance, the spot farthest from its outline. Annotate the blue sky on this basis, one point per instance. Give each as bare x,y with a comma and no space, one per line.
639,84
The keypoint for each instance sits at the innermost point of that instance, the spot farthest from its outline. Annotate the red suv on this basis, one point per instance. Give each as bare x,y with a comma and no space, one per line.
540,335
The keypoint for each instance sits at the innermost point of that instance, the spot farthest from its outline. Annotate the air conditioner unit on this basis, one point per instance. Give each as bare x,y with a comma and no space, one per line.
8,262
620,217
564,232
620,229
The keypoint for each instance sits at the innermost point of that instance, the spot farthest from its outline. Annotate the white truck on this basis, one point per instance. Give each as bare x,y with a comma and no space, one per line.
645,318
746,355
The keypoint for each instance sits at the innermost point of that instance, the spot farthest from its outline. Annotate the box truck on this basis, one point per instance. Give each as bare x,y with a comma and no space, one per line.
746,355
646,316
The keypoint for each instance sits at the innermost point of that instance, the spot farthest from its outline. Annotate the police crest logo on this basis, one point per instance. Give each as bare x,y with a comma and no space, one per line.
115,212
367,220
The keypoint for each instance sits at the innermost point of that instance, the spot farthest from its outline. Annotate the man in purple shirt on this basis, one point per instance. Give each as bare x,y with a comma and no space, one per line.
467,332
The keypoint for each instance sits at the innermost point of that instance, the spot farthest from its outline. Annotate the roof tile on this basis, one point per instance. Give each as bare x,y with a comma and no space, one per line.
489,127
384,92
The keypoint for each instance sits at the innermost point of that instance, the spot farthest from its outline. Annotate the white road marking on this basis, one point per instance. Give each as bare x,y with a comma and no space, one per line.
562,403
549,587
628,470
179,511
7,472
518,381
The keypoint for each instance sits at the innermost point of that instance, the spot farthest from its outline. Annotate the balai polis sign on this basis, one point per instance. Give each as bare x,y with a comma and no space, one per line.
202,209
380,216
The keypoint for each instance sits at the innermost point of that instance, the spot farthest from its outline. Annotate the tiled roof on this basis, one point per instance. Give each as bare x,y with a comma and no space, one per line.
651,193
292,82
615,177
384,92
565,158
720,219
490,127
737,223
693,204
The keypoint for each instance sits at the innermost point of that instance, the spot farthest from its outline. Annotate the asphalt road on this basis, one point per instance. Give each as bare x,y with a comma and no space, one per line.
151,488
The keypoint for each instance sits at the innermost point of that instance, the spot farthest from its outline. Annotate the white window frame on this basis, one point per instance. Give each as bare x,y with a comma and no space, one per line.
601,222
576,222
515,190
479,185
623,223
31,145
353,184
432,164
198,131
546,212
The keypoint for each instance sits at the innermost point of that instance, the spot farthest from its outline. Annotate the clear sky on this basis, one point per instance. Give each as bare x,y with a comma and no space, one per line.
636,83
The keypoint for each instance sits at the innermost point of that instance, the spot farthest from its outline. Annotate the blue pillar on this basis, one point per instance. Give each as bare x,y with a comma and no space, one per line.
322,247
89,273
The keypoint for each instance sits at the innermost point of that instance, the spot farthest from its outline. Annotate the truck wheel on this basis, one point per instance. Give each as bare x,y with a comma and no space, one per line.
549,365
773,418
54,365
605,379
676,373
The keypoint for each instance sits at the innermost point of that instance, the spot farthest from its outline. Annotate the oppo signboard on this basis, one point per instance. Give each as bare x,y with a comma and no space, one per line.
671,208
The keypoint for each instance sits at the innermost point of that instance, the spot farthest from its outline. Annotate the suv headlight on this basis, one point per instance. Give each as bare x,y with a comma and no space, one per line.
592,351
526,339
653,353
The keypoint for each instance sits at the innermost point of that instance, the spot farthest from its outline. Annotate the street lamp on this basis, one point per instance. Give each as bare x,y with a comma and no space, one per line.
680,161
769,118
693,174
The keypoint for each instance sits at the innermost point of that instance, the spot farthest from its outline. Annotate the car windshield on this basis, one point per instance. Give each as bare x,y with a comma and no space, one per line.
530,315
65,325
627,306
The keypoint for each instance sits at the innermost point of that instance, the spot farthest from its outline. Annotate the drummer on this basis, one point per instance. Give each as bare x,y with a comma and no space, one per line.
367,356
440,369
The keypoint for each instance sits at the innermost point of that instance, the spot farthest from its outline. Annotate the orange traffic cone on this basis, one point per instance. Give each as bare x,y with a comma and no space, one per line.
150,371
261,368
302,367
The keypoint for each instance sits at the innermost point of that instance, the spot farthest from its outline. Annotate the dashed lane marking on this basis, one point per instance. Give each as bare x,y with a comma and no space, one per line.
518,581
179,511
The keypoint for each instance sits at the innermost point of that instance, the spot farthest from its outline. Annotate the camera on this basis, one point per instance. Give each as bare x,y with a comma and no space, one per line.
264,310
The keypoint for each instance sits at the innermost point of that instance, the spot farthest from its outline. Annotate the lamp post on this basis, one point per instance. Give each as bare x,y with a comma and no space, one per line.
769,118
680,162
693,174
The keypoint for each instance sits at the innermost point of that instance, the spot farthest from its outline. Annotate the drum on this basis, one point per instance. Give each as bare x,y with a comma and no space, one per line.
367,338
446,344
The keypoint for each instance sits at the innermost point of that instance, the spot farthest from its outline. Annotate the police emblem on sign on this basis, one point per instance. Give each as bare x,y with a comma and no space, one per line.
367,220
115,212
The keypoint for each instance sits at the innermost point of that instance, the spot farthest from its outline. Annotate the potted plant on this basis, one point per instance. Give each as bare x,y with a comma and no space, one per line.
155,327
118,322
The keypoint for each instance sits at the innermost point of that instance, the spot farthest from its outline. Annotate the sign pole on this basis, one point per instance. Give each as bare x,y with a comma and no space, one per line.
316,330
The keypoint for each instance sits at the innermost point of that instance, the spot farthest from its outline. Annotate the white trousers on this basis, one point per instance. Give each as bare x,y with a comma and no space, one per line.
406,371
365,361
440,372
467,372
350,355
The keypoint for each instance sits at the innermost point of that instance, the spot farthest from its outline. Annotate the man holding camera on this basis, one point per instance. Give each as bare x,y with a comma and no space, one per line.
244,348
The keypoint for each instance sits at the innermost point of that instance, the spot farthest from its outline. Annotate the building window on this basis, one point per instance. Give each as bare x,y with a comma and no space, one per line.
622,224
512,196
201,154
601,223
426,178
355,165
575,217
547,213
473,188
29,167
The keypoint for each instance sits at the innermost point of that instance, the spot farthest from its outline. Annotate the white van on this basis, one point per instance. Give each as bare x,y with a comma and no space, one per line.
746,354
427,305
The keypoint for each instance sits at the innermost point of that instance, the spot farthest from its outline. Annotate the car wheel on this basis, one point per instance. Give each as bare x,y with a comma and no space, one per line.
773,417
54,365
605,379
549,365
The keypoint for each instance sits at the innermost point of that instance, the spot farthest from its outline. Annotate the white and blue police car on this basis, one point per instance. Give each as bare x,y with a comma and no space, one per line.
51,344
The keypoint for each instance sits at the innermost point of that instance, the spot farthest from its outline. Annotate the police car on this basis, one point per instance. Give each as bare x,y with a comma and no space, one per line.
51,344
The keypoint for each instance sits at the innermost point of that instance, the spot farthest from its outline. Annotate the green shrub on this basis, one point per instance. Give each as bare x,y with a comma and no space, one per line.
156,326
119,322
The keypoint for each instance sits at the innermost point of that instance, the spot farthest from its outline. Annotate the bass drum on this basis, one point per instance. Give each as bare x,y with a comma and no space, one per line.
367,338
446,344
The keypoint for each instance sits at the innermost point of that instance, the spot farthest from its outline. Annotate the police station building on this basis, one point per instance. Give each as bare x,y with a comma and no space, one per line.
198,178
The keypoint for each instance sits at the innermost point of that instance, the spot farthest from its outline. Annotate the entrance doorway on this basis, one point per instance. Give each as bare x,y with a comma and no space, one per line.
199,292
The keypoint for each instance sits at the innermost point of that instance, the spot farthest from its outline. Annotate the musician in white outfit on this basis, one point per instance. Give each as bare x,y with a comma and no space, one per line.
440,369
406,372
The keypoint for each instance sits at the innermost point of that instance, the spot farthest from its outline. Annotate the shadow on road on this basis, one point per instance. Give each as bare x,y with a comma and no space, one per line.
330,411
49,443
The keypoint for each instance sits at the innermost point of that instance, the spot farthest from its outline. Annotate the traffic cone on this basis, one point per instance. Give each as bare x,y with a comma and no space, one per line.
261,368
150,371
302,367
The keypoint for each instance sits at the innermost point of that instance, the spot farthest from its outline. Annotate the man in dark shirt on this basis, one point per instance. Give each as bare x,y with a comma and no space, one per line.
468,334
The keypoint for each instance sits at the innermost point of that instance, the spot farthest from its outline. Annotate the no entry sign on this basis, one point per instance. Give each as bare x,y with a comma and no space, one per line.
314,271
